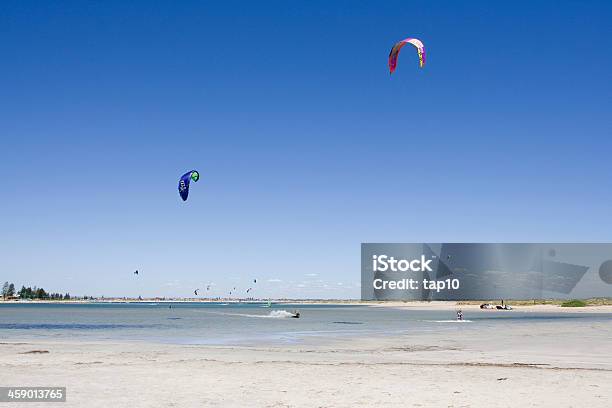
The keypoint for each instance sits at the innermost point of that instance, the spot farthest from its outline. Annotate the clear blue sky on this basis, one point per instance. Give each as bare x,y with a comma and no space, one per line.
305,144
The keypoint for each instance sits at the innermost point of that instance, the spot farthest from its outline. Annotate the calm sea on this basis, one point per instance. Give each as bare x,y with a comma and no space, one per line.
241,323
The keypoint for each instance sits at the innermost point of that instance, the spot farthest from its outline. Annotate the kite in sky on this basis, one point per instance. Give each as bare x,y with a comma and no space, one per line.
397,47
183,186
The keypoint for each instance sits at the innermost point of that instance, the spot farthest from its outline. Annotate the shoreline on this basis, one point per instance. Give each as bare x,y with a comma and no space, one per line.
410,305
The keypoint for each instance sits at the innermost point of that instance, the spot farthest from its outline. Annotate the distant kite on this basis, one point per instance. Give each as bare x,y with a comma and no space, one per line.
183,186
195,292
397,47
136,272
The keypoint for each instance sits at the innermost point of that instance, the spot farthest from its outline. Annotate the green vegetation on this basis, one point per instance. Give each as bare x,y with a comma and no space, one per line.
574,303
8,291
40,293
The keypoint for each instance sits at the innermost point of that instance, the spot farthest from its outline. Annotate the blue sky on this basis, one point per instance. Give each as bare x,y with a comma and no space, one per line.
305,145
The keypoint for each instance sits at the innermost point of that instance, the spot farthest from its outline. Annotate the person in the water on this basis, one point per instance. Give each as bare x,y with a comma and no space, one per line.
459,315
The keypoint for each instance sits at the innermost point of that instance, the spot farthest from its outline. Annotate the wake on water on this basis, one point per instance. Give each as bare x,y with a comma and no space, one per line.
447,321
274,314
279,314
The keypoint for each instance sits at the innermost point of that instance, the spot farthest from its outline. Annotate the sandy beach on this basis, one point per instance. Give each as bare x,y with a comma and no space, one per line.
544,364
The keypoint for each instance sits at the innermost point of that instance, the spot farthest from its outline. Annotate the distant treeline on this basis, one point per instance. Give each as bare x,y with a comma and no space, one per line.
8,291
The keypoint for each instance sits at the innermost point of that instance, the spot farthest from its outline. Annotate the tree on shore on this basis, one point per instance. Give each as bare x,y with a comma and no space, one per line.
8,290
37,293
41,294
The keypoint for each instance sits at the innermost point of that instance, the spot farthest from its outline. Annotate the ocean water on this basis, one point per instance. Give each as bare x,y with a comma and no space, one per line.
243,323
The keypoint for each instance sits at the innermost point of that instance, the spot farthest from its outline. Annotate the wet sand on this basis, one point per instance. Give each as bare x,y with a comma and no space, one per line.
561,364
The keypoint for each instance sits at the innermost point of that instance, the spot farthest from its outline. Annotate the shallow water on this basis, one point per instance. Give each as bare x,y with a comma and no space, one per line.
244,323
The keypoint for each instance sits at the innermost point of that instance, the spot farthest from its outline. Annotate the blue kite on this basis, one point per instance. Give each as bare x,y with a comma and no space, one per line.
183,186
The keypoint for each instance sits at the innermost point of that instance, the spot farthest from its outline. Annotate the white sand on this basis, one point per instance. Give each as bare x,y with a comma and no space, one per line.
545,365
